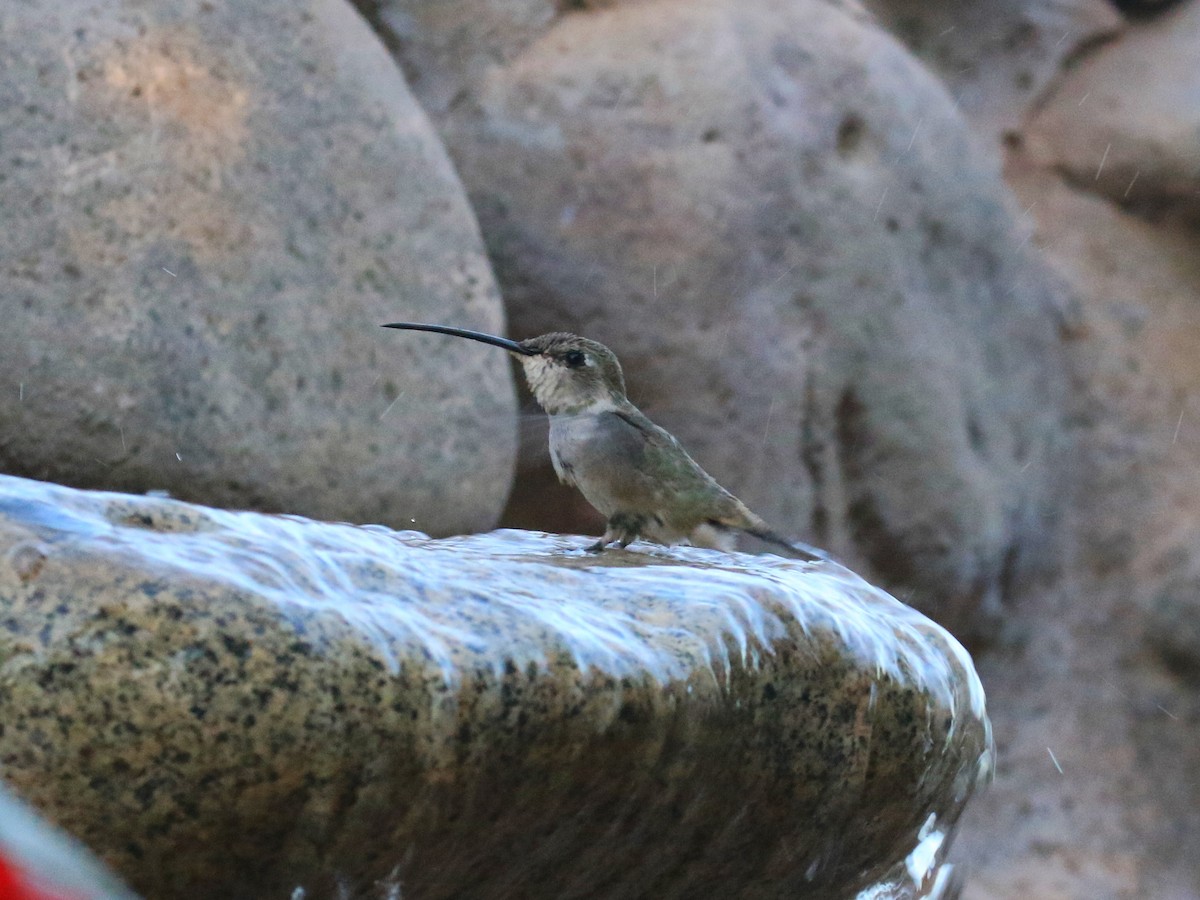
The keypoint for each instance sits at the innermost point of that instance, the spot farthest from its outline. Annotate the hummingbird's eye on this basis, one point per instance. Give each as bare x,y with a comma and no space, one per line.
574,359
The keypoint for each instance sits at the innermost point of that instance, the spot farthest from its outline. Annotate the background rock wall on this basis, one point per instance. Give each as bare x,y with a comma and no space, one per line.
782,224
1100,669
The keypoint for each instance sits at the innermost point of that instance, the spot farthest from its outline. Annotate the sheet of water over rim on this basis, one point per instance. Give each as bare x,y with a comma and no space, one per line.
403,591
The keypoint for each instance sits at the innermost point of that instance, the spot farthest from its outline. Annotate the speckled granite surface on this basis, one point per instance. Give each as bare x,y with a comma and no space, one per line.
235,705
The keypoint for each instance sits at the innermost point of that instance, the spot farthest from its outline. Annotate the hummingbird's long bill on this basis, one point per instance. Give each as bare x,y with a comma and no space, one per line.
480,336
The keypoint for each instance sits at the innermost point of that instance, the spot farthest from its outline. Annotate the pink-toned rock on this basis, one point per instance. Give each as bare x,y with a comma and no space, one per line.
1095,687
1125,122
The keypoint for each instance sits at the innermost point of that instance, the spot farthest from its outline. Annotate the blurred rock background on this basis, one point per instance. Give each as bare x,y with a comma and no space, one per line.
1100,666
918,280
782,223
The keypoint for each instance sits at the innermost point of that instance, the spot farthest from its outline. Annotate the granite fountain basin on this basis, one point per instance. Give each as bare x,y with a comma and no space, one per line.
238,705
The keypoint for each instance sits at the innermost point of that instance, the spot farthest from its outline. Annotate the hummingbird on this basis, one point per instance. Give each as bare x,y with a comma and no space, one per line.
636,474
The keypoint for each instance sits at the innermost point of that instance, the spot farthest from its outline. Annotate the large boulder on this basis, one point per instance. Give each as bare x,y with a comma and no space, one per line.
209,209
777,218
237,705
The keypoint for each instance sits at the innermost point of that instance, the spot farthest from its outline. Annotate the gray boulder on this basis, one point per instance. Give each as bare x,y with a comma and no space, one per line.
778,220
209,210
238,705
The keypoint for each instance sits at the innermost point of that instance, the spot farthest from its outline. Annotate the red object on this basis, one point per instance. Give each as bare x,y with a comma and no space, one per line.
13,886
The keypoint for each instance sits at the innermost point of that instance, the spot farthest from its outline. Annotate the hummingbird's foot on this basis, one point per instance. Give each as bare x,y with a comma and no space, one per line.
622,529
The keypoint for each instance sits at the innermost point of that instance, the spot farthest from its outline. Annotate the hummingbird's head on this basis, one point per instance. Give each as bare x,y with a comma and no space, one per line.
571,374
567,373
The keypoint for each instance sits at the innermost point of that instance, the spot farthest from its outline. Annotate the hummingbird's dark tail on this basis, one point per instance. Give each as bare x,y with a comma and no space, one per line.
795,549
760,530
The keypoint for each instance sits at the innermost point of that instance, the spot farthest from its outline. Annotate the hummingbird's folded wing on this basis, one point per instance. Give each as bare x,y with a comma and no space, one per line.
654,442
696,497
677,477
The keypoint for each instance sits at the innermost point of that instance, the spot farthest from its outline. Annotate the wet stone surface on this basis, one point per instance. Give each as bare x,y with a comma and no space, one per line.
235,705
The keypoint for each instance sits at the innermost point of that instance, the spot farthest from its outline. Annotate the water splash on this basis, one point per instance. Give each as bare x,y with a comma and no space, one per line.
401,585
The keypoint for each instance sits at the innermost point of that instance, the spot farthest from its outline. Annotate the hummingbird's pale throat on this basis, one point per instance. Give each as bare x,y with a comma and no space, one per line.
570,375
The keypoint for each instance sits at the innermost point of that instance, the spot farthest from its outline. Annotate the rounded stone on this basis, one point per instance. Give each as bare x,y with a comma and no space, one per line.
1124,120
210,209
237,705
